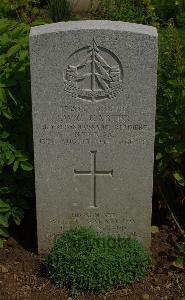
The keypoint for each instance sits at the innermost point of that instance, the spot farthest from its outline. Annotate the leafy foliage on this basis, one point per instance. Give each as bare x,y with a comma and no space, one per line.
59,10
152,12
82,260
27,11
169,172
17,8
166,9
15,124
170,10
181,19
170,137
130,11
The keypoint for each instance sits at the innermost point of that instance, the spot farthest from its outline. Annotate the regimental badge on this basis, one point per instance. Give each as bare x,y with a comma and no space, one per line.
93,74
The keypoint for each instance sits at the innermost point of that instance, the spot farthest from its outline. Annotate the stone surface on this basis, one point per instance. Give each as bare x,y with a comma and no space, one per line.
93,98
79,6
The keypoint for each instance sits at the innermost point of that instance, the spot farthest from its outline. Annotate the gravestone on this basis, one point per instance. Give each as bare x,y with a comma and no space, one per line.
93,98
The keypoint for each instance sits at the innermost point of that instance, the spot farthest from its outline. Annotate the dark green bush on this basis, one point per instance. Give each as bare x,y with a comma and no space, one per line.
84,261
180,19
170,131
20,9
170,10
59,10
166,9
129,11
15,124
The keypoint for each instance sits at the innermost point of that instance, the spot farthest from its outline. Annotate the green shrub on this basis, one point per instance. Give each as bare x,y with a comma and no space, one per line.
170,123
129,11
59,10
84,261
166,9
15,124
181,19
20,9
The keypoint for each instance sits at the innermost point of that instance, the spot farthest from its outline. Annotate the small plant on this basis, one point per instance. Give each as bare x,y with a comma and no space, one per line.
84,261
59,10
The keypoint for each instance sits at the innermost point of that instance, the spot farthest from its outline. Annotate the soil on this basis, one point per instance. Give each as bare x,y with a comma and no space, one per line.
22,274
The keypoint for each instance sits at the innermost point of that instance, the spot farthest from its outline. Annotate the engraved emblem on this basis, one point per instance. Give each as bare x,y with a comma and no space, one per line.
93,74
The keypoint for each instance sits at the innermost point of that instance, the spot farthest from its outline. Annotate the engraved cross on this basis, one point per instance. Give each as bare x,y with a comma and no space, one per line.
93,173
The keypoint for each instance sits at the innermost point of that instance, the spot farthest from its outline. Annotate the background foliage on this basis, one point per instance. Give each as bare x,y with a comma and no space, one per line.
15,124
170,131
16,153
59,10
169,174
127,10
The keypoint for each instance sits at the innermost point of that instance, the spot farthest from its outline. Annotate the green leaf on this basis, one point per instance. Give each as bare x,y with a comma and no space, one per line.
179,178
2,241
12,97
11,147
11,159
26,166
15,165
4,209
2,95
2,85
7,115
8,154
4,134
17,220
23,158
183,93
4,219
4,232
18,153
4,190
18,214
4,205
13,50
17,211
159,156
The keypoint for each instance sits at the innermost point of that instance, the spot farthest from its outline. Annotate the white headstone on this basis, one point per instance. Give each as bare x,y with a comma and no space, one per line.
94,97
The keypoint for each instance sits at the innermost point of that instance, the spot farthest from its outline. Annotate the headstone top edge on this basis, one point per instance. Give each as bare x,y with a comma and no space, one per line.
93,24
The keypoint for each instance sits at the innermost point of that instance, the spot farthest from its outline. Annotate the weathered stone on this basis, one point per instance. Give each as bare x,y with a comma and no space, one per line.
93,95
79,6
